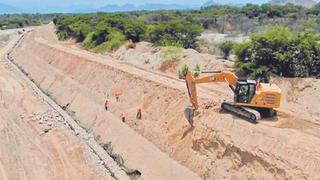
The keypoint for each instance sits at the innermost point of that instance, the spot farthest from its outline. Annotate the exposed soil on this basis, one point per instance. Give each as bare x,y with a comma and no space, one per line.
146,56
219,146
35,143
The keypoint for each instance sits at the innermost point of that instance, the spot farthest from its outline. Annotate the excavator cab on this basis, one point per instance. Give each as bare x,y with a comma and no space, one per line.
245,91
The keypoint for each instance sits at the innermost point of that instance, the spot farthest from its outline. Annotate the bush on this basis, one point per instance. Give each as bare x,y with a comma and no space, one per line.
135,31
88,41
226,48
116,39
171,53
243,51
176,32
183,71
281,51
197,71
62,35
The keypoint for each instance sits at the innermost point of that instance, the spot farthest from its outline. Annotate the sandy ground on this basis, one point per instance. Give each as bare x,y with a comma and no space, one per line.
26,152
220,146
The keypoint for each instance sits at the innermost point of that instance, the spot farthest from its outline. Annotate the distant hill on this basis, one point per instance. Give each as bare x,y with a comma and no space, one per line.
211,3
4,8
305,3
7,9
239,3
131,7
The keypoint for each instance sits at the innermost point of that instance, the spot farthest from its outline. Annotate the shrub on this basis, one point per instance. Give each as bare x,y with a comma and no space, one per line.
88,41
176,32
196,70
183,71
171,53
226,48
243,51
281,51
62,35
116,39
135,31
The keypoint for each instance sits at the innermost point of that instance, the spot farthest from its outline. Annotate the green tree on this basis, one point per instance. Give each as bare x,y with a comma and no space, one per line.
226,48
176,32
281,51
135,31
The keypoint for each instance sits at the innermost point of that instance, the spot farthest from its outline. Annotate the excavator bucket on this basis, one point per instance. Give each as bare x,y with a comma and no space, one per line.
189,114
192,90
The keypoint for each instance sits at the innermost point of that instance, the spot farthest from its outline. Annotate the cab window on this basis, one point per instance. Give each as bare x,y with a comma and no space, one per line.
245,93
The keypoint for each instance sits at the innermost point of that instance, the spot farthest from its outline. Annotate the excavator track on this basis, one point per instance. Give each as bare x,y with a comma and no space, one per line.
245,112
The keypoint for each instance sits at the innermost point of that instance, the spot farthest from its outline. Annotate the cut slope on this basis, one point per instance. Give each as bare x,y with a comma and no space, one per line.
26,152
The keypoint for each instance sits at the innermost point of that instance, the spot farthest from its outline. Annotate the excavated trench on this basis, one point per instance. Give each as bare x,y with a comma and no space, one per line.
81,86
85,105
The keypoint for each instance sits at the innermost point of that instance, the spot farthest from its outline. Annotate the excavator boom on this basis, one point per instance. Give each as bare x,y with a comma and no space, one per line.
214,76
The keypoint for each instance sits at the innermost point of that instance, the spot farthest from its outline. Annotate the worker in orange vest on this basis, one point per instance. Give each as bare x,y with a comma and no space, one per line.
258,85
117,94
106,103
139,115
123,116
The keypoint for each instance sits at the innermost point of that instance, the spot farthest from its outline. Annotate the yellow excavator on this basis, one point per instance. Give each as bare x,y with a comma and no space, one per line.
252,99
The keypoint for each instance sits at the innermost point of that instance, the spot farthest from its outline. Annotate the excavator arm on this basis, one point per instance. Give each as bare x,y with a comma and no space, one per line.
214,76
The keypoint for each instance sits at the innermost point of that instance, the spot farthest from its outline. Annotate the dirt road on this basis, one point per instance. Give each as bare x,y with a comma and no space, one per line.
220,145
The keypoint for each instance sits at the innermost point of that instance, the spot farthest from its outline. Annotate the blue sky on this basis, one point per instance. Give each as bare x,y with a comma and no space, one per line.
97,3
70,5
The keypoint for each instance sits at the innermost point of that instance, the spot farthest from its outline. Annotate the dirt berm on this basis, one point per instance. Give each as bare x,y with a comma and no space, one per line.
220,145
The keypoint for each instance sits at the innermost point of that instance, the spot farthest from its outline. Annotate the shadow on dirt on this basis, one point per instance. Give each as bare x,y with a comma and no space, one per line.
134,174
191,128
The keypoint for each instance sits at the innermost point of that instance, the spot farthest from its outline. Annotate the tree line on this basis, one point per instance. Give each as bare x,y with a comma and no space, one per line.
10,21
289,52
280,51
103,31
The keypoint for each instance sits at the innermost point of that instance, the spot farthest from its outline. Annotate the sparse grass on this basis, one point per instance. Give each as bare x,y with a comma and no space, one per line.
171,53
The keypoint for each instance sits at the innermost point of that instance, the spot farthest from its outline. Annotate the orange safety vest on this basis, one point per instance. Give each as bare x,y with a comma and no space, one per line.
258,85
139,109
123,115
117,93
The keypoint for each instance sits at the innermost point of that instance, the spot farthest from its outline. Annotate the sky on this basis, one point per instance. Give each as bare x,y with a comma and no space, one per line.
69,5
99,3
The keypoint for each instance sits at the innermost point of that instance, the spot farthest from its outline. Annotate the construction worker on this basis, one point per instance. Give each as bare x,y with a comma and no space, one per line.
123,116
117,94
106,103
139,115
258,85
